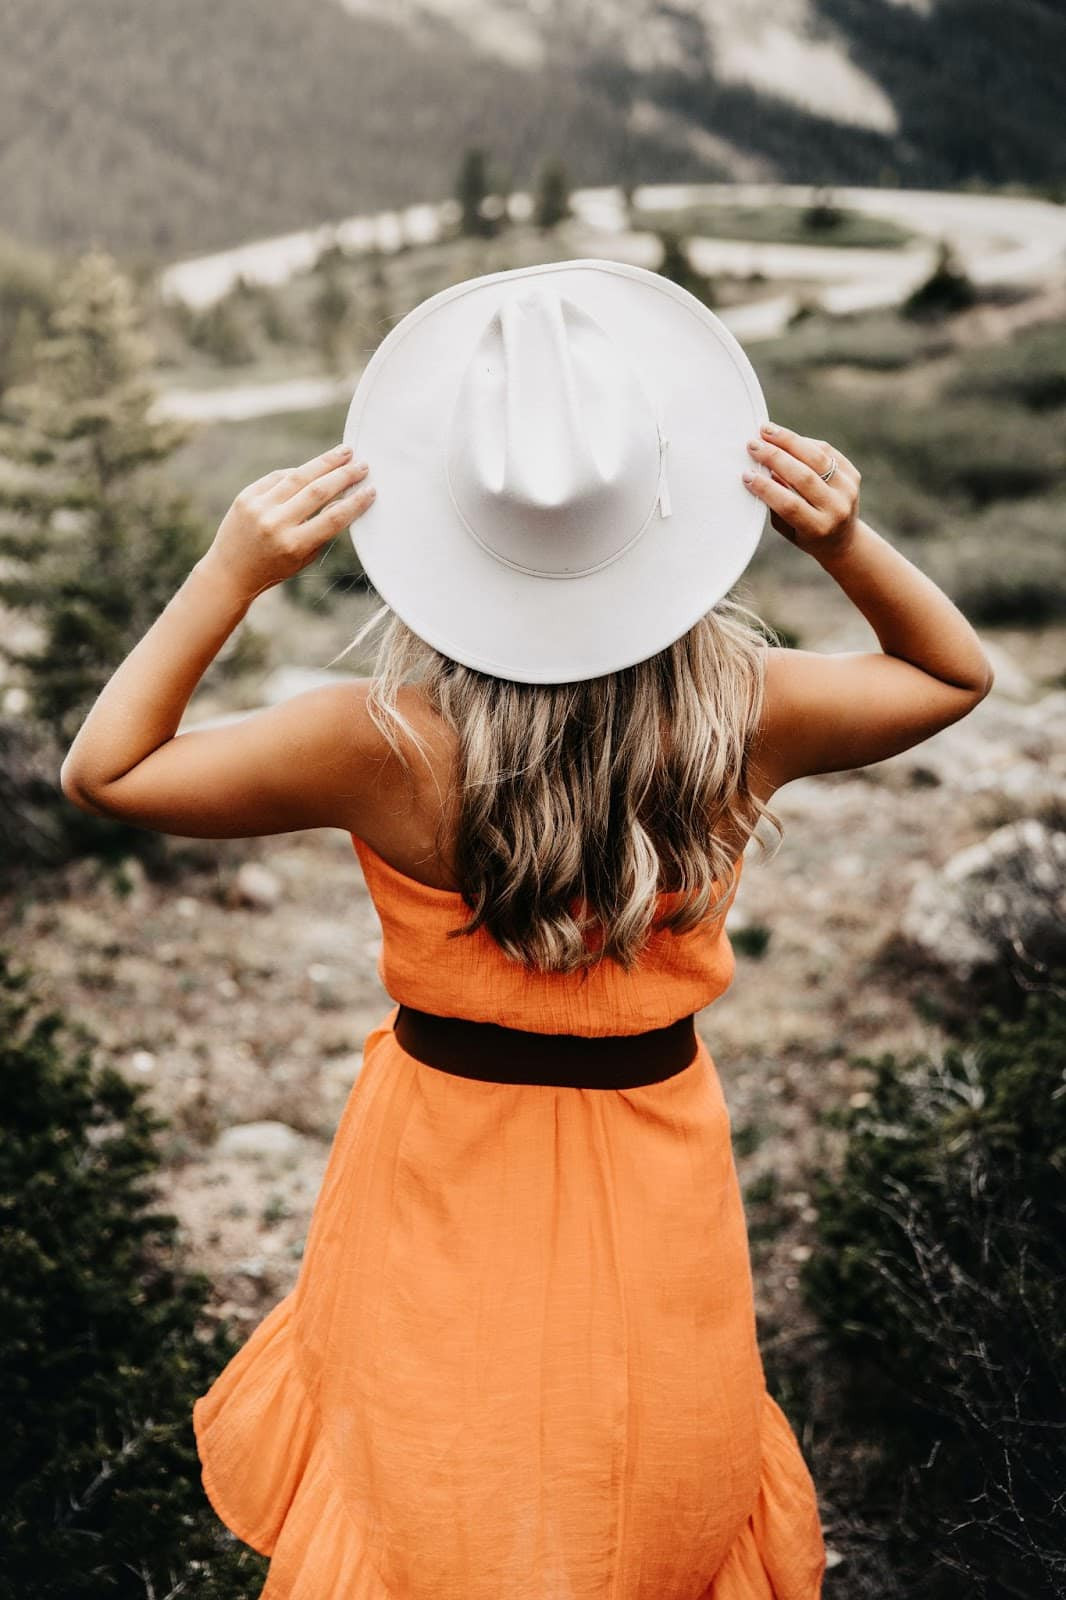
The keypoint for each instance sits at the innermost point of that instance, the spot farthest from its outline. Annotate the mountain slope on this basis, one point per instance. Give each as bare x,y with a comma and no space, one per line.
191,124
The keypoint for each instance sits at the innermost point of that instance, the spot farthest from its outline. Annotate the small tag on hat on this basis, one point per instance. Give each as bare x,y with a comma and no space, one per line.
664,488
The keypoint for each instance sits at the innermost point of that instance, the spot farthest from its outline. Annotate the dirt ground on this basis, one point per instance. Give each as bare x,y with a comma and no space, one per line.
233,1013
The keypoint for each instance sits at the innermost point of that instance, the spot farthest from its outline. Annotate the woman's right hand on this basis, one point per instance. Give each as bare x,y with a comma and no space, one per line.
817,517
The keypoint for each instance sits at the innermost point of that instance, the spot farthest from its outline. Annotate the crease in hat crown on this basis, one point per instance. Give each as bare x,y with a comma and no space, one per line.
556,457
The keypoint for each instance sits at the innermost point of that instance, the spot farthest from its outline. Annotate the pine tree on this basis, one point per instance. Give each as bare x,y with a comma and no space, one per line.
378,314
331,308
471,192
223,332
947,289
676,266
552,204
102,1349
93,542
822,215
27,296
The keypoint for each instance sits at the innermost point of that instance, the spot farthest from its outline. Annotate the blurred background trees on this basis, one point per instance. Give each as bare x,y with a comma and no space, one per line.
552,202
94,541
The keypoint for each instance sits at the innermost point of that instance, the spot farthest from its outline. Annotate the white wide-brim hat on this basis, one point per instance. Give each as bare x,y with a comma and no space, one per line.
557,452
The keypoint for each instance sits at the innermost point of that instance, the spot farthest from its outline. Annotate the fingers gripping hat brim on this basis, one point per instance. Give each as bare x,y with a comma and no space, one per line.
450,590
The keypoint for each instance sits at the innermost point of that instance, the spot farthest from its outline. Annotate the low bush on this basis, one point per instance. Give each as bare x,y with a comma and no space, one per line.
877,341
939,1284
1028,370
966,557
947,289
102,1345
39,827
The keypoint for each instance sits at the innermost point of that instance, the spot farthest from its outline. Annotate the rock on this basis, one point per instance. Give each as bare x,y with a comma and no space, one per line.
259,1141
1049,712
952,756
1029,781
255,885
999,900
1042,730
258,1268
994,747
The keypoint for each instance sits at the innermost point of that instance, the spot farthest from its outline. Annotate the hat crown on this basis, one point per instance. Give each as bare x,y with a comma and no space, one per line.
555,457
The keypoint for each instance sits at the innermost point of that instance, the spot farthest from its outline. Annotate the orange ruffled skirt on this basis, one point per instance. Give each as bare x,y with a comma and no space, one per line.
520,1360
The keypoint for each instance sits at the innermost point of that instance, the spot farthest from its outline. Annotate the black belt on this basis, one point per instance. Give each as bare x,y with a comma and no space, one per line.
495,1054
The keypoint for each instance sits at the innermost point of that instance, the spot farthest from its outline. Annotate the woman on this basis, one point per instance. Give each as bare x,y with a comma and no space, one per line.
521,1356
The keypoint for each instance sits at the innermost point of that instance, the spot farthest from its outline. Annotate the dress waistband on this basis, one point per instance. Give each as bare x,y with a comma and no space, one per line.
496,1054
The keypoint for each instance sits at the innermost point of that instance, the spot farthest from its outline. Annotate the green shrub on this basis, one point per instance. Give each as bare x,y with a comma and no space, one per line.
39,828
972,453
1025,597
875,341
966,559
101,1348
948,288
822,215
939,1281
1028,370
751,941
930,465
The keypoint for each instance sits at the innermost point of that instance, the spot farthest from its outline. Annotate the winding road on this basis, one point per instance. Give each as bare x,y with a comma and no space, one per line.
998,239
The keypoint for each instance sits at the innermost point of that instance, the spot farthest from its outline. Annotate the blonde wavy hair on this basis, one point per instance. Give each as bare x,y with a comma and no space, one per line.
598,790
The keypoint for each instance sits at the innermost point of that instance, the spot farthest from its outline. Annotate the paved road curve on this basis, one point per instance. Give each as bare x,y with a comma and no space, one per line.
997,238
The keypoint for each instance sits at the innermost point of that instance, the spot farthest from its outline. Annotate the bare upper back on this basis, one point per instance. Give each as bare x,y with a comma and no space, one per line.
821,713
403,824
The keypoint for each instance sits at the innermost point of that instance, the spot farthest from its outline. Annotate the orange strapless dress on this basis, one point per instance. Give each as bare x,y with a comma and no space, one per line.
520,1359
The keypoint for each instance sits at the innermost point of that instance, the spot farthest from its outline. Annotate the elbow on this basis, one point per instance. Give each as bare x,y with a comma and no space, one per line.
980,689
990,678
77,794
68,783
971,694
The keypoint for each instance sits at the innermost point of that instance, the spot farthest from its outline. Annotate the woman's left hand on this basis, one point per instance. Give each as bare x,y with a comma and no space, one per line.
278,524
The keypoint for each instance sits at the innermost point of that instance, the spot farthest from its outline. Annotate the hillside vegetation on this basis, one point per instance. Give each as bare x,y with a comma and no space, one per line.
175,129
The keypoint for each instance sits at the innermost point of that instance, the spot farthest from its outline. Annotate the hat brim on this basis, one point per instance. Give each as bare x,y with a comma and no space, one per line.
450,591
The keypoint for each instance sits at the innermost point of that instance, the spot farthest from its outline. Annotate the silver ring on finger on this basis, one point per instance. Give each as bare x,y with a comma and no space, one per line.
828,473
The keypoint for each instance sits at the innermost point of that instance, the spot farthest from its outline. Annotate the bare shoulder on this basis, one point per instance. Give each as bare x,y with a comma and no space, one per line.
836,712
344,710
395,795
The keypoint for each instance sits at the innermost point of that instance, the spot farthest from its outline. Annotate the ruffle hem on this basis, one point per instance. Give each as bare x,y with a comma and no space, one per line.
265,1471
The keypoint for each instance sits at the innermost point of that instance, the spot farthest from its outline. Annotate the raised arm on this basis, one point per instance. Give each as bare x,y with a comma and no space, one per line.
830,713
